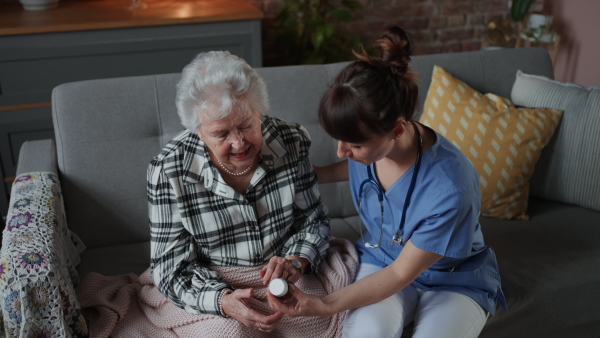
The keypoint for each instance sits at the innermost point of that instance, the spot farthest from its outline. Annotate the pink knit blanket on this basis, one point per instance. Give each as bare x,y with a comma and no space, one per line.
131,306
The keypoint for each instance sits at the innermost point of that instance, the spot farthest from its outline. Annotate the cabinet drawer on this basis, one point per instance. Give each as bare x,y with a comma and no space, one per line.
31,65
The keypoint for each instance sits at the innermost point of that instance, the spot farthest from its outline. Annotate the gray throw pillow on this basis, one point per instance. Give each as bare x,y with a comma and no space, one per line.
569,167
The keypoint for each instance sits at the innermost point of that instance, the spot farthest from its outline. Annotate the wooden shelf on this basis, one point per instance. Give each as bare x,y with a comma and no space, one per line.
82,15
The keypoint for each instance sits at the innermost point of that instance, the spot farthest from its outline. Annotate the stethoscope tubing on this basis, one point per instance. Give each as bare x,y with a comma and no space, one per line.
397,238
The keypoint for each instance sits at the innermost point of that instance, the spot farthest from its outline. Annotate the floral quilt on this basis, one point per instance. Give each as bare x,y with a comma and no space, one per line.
37,263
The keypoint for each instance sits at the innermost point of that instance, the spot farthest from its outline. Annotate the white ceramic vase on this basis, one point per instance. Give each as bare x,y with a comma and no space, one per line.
539,28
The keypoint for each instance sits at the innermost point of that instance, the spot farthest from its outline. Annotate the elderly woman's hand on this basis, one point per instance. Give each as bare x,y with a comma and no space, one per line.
280,267
235,306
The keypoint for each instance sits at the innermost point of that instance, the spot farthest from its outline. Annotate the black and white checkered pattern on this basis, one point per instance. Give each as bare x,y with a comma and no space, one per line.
197,220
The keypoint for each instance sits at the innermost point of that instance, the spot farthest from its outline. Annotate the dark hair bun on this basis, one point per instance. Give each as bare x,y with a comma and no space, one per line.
395,49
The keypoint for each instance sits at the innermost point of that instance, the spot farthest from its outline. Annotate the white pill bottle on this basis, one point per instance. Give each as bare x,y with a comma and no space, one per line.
278,287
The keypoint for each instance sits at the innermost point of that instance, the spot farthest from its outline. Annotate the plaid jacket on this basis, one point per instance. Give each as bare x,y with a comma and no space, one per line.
197,220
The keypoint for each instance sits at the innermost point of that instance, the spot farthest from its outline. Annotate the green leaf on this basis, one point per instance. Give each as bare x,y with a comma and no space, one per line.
317,39
327,30
519,9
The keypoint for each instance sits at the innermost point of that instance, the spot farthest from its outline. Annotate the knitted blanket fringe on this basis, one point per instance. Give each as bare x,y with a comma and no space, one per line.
131,306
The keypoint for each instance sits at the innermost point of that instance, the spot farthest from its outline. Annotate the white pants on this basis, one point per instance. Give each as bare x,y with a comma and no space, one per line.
435,314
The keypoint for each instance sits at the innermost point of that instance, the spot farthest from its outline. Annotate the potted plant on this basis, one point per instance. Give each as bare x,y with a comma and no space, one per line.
538,28
308,30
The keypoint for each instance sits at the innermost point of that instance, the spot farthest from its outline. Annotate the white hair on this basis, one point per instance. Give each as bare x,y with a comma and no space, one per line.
214,84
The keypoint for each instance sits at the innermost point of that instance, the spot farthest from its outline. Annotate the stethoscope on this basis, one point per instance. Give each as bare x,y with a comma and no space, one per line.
397,238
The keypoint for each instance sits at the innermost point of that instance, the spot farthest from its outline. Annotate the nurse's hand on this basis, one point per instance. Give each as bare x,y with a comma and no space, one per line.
297,303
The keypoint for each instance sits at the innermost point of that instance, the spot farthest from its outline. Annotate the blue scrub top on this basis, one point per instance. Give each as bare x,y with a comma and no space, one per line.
443,218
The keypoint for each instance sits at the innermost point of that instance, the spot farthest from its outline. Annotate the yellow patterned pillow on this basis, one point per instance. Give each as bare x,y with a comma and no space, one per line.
502,142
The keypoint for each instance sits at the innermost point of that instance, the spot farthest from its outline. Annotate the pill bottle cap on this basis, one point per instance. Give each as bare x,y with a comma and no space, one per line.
278,287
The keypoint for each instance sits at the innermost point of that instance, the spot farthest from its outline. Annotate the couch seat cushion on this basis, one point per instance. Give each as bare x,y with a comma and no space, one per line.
135,258
346,227
549,267
115,260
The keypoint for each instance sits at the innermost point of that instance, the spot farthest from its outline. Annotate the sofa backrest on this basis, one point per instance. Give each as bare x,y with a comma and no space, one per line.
108,130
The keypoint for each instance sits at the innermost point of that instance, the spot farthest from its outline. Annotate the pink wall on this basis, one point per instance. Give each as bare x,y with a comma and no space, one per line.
578,23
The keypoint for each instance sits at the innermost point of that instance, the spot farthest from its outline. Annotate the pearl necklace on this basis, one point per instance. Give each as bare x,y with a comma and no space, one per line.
243,172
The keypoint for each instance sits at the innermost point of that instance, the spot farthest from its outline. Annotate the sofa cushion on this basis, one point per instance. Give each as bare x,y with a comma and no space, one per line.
568,168
502,142
297,101
346,228
107,132
115,260
549,270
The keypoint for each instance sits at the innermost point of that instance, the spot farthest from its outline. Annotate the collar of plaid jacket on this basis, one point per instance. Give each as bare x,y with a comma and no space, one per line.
196,161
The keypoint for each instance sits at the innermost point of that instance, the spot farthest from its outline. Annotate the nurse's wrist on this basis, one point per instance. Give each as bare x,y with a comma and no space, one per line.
326,306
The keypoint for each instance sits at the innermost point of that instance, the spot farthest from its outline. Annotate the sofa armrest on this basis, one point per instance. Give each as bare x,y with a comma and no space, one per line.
37,262
37,156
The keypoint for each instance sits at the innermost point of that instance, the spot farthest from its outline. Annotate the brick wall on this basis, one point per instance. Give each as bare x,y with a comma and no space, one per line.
436,26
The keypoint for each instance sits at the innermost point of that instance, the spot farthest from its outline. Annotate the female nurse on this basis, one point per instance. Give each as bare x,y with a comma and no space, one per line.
423,257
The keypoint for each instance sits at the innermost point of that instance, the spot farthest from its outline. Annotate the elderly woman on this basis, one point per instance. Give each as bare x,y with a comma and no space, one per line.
235,189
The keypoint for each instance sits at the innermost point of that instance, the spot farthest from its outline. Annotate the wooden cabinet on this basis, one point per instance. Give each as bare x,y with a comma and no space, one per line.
90,39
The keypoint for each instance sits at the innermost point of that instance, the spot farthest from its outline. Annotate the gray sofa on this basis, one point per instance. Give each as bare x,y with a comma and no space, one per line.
92,177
